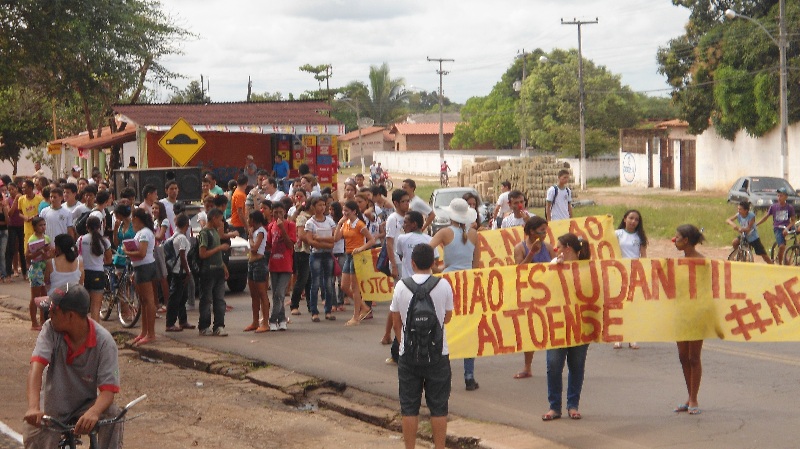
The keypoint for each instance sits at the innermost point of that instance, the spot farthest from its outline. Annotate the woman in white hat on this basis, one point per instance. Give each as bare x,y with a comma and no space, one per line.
460,243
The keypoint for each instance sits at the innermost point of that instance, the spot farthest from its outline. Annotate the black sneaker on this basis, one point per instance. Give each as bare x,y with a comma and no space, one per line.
471,384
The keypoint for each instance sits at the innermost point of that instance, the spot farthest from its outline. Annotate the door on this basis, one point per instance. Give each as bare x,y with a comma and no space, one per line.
688,181
667,169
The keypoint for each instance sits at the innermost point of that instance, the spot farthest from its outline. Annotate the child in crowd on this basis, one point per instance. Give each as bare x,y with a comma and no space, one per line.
37,249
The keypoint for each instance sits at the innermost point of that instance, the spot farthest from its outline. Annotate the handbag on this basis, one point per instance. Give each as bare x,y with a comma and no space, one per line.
382,264
337,269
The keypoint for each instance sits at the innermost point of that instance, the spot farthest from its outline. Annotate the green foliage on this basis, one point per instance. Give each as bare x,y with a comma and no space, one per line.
549,106
725,70
193,93
39,154
23,121
383,100
97,52
321,72
428,102
655,108
267,96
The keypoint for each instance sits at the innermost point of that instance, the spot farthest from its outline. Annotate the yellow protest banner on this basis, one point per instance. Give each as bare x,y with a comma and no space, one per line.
497,249
530,307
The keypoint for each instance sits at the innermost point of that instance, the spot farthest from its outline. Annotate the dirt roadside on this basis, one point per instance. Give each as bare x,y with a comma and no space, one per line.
188,408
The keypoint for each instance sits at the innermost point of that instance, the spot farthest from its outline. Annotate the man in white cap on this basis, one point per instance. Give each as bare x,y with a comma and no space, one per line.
251,171
75,174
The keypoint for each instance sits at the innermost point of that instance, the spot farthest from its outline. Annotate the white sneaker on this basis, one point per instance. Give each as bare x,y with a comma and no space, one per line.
207,332
282,326
390,361
273,327
220,332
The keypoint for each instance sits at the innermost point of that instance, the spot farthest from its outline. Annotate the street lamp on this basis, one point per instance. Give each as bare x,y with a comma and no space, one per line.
581,110
781,43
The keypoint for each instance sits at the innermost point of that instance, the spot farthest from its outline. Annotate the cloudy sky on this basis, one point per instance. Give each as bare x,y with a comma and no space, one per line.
268,40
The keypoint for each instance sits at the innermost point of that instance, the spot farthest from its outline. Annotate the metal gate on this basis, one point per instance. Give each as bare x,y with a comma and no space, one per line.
688,162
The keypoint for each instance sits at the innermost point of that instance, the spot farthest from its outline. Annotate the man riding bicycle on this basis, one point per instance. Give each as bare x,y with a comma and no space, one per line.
744,222
81,359
443,175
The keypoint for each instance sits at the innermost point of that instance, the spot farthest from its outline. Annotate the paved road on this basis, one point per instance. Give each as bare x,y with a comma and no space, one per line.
6,442
748,396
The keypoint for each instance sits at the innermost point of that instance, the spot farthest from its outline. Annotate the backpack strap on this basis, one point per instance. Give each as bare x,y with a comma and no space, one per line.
428,285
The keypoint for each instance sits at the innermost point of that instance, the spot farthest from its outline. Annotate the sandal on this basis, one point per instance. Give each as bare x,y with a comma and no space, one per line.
694,410
366,315
523,375
174,329
574,414
617,345
188,326
551,415
295,311
315,318
330,317
352,322
633,345
681,408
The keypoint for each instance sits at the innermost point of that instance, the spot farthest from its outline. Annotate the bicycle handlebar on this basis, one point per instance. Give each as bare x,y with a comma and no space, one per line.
60,426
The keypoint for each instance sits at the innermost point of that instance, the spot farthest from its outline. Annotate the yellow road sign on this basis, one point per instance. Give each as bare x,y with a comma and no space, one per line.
181,142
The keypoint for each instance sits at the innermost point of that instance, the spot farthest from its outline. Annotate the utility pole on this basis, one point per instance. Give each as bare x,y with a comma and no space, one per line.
783,44
441,73
249,88
582,95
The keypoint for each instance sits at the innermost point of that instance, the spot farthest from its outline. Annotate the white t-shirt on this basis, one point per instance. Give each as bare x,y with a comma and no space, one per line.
324,228
394,227
419,205
630,244
442,296
145,235
262,248
76,210
180,242
502,201
511,220
57,221
170,208
277,196
560,209
404,245
91,261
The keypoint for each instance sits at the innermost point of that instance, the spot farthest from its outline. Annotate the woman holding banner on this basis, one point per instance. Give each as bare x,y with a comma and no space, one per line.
461,252
633,244
568,248
532,249
686,238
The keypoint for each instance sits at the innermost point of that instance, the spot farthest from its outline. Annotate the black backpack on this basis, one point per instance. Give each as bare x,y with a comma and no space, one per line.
80,223
193,256
423,336
170,255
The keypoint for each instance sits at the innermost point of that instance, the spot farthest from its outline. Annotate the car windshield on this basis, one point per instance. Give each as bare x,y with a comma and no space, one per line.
769,185
443,199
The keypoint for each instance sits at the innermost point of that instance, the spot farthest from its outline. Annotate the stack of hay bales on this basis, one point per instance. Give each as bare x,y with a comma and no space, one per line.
531,175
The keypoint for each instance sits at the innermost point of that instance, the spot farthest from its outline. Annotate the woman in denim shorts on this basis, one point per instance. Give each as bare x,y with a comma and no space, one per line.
257,272
357,238
140,252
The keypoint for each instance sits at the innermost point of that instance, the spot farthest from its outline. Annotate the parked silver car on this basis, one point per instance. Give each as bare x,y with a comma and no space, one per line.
761,191
442,197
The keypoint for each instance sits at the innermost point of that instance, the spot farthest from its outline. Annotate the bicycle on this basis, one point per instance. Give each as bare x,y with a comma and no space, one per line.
792,254
743,252
120,292
444,179
71,441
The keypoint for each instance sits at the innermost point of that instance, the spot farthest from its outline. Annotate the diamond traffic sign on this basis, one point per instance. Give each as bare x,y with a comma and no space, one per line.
181,142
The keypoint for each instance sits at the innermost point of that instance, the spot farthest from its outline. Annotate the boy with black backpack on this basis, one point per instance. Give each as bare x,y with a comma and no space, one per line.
176,251
421,305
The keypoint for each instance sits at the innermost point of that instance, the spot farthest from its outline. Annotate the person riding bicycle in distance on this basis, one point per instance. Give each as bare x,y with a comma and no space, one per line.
745,221
81,360
782,221
444,169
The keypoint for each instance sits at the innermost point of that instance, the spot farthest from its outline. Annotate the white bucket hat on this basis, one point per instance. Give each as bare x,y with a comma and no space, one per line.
459,211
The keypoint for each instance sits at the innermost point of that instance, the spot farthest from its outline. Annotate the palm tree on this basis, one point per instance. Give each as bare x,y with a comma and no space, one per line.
384,100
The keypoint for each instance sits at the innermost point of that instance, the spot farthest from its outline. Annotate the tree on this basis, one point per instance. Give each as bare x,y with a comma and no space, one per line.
267,96
193,93
549,111
92,52
23,122
724,72
493,119
428,103
322,72
384,99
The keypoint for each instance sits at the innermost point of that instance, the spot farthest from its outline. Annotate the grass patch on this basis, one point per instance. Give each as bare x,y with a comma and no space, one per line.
605,181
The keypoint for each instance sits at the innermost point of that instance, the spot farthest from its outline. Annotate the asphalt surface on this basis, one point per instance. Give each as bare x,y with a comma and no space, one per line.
6,442
748,395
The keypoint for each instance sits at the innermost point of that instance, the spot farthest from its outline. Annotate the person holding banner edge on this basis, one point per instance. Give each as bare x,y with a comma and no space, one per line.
532,249
686,238
461,252
633,244
568,248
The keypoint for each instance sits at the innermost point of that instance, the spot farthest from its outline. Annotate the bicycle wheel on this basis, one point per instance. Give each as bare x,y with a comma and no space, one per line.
792,256
128,306
107,306
734,255
772,252
389,185
746,255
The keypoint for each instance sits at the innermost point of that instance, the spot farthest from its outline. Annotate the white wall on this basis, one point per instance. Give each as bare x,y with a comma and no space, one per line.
632,170
597,167
720,162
